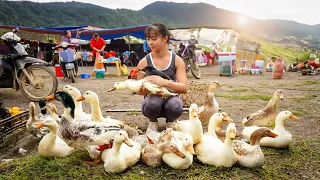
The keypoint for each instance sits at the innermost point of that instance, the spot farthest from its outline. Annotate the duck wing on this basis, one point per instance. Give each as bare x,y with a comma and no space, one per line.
247,121
241,148
151,87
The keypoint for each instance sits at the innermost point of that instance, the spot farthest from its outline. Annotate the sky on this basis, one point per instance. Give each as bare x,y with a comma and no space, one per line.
302,11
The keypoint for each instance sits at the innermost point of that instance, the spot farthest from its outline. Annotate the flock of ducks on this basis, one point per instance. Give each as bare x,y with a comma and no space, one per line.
119,146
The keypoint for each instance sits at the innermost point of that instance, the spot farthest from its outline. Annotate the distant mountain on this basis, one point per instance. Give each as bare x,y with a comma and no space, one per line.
33,14
201,14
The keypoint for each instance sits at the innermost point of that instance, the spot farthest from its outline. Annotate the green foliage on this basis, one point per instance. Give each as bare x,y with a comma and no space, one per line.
55,14
274,51
304,56
299,160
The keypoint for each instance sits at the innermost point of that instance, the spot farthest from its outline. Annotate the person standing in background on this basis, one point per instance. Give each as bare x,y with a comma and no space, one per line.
97,44
67,37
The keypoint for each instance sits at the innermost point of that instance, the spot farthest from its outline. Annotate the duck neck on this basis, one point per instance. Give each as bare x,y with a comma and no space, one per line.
227,141
67,114
32,113
273,102
52,134
78,105
117,147
55,116
279,126
209,101
212,128
255,139
96,114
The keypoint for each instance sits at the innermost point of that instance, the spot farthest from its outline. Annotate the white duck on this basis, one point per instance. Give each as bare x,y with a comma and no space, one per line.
96,114
136,85
192,126
212,151
51,145
115,159
131,154
215,125
81,134
284,137
78,112
185,145
32,121
53,111
251,155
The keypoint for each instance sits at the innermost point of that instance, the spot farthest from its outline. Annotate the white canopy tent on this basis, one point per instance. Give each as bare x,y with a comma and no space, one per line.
206,36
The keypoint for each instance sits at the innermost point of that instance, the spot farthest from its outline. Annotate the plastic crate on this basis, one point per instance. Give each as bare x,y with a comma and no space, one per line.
10,125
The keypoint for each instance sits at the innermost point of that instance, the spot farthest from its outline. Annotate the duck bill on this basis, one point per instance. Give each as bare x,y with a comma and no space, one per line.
294,117
50,98
81,98
227,120
112,89
281,97
39,126
232,134
274,135
194,113
128,142
179,153
190,149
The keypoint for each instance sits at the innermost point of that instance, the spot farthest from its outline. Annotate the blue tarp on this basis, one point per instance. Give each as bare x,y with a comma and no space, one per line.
53,30
136,31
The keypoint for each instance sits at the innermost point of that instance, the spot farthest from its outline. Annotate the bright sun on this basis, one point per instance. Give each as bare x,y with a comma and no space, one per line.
242,20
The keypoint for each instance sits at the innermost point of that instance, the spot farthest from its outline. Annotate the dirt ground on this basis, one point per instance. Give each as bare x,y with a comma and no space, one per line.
301,95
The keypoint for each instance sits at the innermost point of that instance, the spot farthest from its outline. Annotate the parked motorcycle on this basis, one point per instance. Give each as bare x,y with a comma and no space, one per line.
67,59
187,53
19,71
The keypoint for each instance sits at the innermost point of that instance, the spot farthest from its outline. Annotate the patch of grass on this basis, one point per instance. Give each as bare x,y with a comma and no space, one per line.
239,90
301,159
229,86
245,97
299,112
308,82
297,84
300,99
